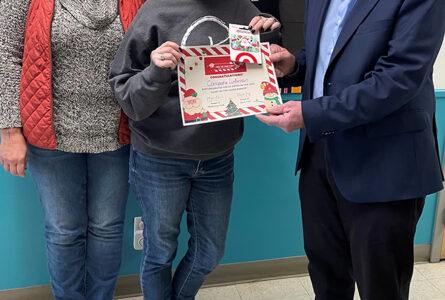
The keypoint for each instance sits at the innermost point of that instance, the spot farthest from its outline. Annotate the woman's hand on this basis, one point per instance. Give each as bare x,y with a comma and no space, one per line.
259,24
14,151
166,56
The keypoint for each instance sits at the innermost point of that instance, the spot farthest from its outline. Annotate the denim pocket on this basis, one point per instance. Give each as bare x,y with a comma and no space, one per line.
46,153
123,151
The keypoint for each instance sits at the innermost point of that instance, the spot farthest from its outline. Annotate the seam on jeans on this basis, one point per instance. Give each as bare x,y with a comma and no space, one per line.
85,265
197,167
139,199
131,167
196,250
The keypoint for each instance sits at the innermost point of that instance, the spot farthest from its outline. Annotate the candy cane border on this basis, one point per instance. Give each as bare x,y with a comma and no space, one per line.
220,51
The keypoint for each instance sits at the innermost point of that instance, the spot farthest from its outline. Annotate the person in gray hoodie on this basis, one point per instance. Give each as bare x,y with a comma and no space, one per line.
176,169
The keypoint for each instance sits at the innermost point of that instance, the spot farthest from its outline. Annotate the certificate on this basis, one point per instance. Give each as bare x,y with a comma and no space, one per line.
214,88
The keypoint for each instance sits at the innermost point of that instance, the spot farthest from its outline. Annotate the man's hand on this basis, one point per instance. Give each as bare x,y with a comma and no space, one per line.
288,116
283,60
13,151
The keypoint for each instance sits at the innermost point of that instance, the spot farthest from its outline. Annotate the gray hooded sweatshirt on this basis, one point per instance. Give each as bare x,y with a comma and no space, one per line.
149,94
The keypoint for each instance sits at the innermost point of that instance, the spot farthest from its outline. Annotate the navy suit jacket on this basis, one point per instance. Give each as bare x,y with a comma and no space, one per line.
378,112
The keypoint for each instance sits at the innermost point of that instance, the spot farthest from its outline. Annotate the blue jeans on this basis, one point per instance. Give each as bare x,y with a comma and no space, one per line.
165,189
83,198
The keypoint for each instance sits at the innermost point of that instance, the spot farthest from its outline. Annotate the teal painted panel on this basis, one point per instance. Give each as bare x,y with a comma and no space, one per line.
22,248
425,228
440,94
265,222
289,97
266,217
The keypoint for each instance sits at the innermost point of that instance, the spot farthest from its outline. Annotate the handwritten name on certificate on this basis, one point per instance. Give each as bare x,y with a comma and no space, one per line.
213,88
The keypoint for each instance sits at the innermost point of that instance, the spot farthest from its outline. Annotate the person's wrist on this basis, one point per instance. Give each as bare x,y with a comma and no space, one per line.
300,108
8,133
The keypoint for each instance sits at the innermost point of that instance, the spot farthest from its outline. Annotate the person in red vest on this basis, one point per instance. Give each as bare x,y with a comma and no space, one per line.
59,116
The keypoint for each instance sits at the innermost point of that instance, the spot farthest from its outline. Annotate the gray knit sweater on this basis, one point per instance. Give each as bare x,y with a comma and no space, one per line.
85,35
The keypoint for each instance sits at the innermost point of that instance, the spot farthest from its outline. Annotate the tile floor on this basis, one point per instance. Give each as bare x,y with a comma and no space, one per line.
428,284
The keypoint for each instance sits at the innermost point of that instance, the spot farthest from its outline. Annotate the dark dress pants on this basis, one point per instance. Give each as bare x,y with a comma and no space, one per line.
347,242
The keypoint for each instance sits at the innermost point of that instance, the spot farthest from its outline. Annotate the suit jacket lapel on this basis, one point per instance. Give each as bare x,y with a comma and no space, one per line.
316,17
359,12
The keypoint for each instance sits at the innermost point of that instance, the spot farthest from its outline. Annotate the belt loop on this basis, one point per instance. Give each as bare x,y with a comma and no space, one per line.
198,166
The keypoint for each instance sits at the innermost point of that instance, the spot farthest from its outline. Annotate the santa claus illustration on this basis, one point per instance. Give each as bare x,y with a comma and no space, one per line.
192,106
245,43
270,93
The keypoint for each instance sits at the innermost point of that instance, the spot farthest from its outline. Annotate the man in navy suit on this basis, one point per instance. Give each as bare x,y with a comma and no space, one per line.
368,147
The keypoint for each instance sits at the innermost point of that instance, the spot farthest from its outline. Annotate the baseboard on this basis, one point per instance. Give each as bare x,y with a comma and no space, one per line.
42,292
422,253
128,286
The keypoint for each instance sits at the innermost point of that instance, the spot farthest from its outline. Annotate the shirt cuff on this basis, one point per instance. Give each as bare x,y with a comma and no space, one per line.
156,74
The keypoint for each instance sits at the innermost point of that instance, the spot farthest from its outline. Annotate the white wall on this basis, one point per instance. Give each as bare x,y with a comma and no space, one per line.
439,70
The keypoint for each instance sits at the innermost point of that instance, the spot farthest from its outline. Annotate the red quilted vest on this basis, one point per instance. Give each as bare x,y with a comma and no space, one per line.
36,103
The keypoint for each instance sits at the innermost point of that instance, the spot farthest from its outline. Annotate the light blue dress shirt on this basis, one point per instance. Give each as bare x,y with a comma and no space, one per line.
335,20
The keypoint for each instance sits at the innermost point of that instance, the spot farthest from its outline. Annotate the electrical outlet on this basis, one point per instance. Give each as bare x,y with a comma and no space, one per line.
138,240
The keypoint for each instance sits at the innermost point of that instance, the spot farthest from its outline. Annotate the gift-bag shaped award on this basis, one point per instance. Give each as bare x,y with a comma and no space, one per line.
213,87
